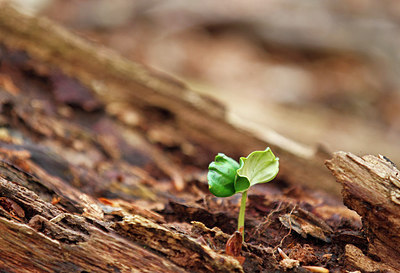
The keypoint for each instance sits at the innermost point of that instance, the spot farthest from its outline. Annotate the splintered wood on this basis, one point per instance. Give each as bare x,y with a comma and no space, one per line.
179,248
371,188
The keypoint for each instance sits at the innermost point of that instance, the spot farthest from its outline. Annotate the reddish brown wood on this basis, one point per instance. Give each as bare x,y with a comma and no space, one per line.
371,187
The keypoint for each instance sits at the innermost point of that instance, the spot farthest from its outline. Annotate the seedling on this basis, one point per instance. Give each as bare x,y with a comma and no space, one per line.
227,177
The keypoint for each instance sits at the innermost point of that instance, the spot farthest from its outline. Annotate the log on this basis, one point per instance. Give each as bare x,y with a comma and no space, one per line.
60,151
70,243
102,167
36,236
49,226
371,187
128,89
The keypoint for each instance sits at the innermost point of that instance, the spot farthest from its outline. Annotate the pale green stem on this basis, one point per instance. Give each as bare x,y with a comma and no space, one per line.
241,213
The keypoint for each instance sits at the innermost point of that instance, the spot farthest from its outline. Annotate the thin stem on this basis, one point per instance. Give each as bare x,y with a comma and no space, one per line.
241,213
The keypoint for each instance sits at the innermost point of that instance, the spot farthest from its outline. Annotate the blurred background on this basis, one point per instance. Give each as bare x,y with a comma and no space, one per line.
311,74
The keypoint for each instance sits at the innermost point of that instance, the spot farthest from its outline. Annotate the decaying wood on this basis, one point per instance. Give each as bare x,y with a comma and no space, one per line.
46,239
88,172
179,248
371,187
65,242
55,161
120,84
357,259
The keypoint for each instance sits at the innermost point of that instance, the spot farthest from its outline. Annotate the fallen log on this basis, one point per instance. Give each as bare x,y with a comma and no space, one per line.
371,187
129,91
36,236
86,169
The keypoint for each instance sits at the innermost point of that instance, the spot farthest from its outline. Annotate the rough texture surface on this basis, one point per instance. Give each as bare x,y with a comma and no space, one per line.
125,85
103,169
62,242
371,187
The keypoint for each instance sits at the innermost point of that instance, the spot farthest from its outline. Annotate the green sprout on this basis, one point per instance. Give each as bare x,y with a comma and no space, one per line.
227,177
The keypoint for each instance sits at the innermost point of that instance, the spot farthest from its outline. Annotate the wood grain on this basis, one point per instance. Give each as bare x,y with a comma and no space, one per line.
371,187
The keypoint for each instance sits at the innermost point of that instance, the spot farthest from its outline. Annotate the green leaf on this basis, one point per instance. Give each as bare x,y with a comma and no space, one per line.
221,176
241,184
257,167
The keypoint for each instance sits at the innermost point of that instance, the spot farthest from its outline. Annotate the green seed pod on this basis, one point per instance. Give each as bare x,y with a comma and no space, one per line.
221,176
